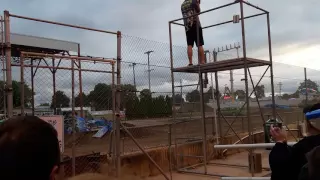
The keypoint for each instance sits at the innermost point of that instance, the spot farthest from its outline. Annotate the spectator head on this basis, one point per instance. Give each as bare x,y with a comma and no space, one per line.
29,149
312,126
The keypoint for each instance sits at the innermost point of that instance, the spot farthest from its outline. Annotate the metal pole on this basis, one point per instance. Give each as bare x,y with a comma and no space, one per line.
134,74
204,135
112,148
306,84
218,98
73,122
54,72
8,64
169,143
271,68
118,100
22,84
214,108
249,146
3,67
173,95
80,84
70,58
245,178
32,87
246,81
149,70
60,24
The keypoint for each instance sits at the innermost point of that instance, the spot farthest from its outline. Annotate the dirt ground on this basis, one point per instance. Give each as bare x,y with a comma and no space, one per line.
155,133
233,166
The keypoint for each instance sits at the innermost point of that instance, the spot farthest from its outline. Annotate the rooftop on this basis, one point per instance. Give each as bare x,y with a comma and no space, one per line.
20,42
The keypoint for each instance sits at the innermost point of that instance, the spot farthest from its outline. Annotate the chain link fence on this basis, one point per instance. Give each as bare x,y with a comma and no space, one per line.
146,100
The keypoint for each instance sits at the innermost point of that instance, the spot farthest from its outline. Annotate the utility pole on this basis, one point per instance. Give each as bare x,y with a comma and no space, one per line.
134,74
149,70
228,48
280,87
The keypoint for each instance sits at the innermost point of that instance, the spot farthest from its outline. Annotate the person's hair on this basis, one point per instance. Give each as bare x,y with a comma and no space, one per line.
29,149
310,128
310,108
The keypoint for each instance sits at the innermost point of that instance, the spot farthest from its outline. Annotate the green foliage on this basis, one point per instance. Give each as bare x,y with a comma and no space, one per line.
16,87
241,94
61,100
85,100
260,91
194,96
178,99
101,97
310,84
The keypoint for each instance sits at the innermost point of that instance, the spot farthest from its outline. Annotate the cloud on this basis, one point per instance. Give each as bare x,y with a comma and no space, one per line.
294,31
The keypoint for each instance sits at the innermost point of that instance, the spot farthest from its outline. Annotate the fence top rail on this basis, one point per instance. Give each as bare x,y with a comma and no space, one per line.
43,55
59,23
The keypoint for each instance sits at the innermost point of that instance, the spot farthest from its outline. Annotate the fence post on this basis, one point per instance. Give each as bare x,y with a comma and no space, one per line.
118,101
73,121
8,64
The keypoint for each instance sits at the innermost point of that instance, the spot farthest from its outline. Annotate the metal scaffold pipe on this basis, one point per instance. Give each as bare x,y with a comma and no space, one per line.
249,146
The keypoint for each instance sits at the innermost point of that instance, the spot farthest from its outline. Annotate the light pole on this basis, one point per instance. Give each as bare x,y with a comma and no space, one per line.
134,74
149,70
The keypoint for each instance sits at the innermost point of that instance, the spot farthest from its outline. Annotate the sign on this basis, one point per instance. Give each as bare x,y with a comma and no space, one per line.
58,123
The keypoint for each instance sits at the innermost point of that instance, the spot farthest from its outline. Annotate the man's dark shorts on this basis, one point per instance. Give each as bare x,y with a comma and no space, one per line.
192,36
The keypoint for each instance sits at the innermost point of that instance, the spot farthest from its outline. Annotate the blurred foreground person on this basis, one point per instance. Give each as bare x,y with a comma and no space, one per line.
311,170
287,162
29,149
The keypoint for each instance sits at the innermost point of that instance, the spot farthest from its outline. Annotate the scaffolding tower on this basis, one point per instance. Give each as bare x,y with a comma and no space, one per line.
243,62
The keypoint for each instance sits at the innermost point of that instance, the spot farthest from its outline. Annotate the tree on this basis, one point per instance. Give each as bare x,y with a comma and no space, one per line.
145,94
178,99
16,88
193,96
241,94
101,97
310,84
146,102
61,99
85,100
260,91
208,94
128,95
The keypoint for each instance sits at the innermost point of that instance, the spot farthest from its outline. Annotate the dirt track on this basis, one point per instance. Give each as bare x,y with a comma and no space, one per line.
155,133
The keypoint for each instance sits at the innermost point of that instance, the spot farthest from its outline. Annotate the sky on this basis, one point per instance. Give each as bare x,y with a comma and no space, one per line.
144,24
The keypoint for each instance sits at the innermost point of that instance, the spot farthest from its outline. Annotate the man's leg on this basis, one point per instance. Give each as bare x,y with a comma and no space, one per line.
201,55
190,54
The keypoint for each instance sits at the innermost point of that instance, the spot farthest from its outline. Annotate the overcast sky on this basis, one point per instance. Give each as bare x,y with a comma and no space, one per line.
295,31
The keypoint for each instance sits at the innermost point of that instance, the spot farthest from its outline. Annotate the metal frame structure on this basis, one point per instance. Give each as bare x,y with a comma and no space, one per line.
73,59
230,64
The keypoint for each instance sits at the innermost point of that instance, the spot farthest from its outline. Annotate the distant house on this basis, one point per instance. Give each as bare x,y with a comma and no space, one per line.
43,110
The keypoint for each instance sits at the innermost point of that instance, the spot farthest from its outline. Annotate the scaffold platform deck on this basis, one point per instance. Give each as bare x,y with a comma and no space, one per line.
224,65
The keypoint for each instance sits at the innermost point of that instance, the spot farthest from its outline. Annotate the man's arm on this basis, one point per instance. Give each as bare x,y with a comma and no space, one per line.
279,160
196,5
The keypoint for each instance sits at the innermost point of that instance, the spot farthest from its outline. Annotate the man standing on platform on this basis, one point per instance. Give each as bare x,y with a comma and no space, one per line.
193,28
